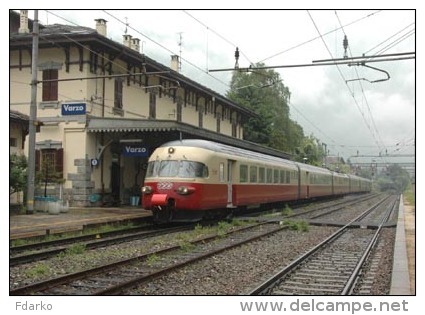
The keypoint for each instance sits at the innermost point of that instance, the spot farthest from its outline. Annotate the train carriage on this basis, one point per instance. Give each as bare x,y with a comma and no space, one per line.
341,184
314,181
191,179
359,184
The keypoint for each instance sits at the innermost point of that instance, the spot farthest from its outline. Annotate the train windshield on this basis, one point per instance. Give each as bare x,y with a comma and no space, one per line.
184,169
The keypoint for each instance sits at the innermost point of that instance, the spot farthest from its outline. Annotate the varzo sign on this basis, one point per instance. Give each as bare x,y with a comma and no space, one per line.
73,109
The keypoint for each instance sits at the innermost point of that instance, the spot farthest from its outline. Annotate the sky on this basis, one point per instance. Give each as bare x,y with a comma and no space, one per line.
349,117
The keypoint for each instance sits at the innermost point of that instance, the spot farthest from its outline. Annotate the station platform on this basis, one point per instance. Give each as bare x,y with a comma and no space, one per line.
76,219
401,274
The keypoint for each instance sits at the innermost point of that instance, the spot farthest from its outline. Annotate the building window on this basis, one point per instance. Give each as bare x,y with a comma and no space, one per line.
234,130
50,88
179,110
49,164
152,105
218,122
118,93
201,116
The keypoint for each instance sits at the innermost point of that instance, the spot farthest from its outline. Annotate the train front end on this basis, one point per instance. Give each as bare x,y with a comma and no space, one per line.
174,184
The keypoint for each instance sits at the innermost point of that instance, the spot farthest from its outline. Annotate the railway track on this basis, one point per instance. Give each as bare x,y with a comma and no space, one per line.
333,266
116,277
44,250
318,211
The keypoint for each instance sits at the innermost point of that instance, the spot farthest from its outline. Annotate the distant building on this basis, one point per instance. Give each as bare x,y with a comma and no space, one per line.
98,131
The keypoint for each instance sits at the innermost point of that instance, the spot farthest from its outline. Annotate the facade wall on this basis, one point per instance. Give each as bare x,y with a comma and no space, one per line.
82,180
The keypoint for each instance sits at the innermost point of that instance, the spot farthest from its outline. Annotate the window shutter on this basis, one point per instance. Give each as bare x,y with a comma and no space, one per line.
54,85
46,86
50,89
59,161
37,160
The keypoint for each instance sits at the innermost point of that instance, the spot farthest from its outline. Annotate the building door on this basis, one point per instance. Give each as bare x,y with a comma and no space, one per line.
115,180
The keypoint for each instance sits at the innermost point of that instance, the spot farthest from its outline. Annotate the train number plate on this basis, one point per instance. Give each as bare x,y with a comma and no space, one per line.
164,186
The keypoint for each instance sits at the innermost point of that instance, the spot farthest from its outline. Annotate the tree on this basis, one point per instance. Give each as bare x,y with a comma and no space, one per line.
18,173
263,92
393,178
48,174
310,151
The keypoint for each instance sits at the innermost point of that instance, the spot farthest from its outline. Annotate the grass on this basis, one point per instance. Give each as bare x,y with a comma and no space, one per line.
76,249
297,225
37,271
287,211
409,196
152,260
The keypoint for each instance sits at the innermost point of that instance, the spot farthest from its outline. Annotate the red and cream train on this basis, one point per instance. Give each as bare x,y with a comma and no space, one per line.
190,179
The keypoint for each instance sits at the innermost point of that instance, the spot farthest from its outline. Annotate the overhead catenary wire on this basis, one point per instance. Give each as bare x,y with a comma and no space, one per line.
378,141
318,37
165,48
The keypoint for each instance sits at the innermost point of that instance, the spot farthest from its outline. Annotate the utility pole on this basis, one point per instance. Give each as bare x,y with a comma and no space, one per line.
33,118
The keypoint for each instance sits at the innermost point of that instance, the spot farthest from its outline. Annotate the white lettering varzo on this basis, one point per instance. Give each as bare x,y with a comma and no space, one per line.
73,108
164,185
129,149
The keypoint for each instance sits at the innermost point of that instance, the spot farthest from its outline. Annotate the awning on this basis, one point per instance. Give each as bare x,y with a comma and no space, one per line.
102,125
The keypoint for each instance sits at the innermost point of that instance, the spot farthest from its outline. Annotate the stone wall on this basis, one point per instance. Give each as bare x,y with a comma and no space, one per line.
82,186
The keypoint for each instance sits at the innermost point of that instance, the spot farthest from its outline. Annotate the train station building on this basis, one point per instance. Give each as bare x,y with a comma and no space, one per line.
103,107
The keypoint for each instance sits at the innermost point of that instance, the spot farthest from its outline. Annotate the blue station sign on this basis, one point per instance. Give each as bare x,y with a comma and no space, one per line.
135,150
73,109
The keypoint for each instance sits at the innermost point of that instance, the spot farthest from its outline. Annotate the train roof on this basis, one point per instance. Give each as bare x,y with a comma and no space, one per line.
226,149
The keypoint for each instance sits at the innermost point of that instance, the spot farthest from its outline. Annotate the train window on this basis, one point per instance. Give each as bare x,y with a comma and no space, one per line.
282,177
152,170
261,175
269,175
221,172
252,174
288,177
184,169
168,169
243,173
276,176
190,169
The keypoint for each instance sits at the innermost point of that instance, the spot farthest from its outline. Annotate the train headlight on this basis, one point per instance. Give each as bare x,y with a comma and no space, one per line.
147,190
184,190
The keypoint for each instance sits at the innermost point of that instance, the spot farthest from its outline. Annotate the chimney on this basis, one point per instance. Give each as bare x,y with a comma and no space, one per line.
135,44
127,40
101,26
175,64
23,27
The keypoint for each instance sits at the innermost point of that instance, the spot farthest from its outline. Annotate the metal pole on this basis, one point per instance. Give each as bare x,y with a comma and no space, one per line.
33,118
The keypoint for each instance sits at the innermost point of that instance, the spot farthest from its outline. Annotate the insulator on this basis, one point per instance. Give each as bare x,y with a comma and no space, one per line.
345,42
